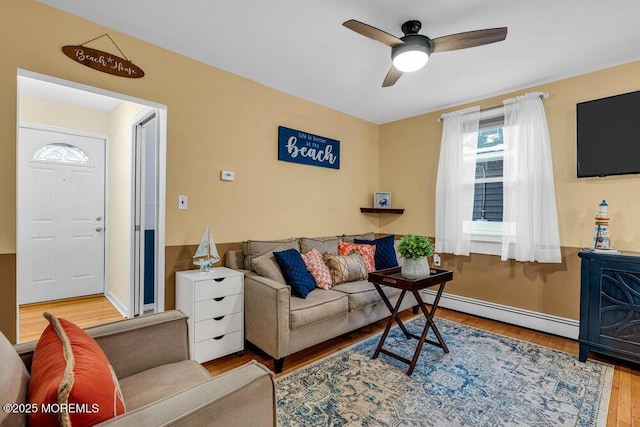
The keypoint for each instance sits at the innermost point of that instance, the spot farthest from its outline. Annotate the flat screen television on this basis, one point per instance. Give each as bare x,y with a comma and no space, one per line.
609,136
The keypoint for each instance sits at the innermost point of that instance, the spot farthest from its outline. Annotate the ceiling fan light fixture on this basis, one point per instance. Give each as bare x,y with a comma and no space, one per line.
412,55
410,60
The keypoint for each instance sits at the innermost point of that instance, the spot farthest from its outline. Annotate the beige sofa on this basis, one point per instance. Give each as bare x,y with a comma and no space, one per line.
281,324
159,383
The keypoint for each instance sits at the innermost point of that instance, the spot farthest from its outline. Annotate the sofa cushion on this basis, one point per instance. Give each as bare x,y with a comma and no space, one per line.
368,253
345,268
267,266
362,293
318,269
255,248
69,367
162,381
295,272
385,251
319,305
324,245
350,238
14,383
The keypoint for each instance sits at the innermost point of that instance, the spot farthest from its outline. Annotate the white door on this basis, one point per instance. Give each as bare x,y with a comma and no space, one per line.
61,196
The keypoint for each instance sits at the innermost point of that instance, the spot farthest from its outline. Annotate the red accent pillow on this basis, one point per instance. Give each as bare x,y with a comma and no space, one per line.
77,385
367,251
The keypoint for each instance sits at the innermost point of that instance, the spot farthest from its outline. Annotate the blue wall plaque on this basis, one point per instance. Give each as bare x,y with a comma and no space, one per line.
306,148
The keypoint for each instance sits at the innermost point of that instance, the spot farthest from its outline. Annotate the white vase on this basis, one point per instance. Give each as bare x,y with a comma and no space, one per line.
414,269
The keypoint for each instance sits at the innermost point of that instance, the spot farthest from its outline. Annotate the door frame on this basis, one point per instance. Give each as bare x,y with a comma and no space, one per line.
74,132
160,158
161,115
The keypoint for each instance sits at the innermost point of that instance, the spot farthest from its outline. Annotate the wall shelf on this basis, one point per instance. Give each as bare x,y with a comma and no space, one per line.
382,210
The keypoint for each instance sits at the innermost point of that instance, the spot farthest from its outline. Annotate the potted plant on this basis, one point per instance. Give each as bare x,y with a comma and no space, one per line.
415,250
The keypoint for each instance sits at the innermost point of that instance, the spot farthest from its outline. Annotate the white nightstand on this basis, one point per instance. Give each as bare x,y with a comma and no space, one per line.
214,304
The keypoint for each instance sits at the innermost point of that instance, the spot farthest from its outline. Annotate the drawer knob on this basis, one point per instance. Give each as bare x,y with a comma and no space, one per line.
218,338
218,299
218,318
220,279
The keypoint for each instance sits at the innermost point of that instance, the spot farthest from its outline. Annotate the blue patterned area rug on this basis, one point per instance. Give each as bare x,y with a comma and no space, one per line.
485,380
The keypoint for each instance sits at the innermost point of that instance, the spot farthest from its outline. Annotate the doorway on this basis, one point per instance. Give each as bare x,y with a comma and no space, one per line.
75,106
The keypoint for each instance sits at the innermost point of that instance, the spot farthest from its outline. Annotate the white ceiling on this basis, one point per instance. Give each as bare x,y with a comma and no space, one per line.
300,47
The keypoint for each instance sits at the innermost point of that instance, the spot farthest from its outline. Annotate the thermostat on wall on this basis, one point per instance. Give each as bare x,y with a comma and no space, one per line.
227,175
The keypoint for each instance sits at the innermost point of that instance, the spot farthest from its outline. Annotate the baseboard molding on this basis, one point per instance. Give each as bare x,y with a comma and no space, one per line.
555,325
117,304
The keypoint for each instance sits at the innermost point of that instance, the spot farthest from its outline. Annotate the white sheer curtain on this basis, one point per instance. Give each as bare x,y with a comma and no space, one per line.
530,217
455,182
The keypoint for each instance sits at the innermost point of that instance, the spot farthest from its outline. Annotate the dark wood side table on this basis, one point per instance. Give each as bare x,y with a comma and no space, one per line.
392,277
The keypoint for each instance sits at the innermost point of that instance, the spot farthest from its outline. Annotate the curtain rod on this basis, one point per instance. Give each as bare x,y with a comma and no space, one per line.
544,95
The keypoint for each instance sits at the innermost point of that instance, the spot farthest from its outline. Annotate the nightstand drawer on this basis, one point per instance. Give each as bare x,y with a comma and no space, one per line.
212,348
214,288
219,326
220,306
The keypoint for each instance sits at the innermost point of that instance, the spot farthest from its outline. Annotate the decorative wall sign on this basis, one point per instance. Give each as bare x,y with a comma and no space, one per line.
103,61
306,148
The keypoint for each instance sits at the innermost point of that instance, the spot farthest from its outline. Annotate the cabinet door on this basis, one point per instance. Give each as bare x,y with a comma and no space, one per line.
618,313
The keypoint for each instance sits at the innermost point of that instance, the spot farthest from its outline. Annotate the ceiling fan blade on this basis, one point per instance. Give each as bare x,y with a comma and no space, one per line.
468,39
372,32
392,77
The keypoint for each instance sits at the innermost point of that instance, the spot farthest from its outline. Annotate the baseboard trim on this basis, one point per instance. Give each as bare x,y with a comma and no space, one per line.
555,325
117,304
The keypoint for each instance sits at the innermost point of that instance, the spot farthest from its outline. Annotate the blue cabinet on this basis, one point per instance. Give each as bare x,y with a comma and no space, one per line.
610,305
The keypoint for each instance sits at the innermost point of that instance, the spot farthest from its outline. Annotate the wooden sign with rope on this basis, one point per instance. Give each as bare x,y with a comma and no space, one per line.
103,61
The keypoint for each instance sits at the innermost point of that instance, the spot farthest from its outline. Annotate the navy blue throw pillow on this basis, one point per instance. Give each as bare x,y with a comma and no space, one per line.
385,256
295,272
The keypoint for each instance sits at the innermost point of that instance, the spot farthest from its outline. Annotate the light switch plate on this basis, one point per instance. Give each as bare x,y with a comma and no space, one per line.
227,175
182,202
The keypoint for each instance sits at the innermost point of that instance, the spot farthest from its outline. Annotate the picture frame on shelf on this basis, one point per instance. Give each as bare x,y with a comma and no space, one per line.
382,200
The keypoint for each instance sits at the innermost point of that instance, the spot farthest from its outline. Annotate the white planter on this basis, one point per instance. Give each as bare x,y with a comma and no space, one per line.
414,269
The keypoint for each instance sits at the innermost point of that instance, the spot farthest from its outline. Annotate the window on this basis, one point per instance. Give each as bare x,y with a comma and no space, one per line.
495,190
61,153
488,194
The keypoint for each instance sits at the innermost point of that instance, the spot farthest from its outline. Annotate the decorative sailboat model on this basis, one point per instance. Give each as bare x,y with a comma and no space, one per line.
207,254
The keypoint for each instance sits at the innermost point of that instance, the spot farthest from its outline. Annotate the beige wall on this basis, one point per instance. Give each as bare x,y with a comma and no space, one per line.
44,111
409,151
215,121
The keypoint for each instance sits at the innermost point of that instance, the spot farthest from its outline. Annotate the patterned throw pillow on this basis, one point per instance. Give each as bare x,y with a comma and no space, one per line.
318,269
295,272
385,251
345,268
367,252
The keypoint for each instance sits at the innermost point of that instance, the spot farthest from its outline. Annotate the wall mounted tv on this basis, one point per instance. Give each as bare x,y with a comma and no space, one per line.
609,136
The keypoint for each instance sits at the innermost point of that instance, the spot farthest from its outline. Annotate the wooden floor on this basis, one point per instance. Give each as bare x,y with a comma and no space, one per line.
84,312
624,406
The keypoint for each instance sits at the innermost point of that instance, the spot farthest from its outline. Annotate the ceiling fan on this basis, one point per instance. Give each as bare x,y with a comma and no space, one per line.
411,52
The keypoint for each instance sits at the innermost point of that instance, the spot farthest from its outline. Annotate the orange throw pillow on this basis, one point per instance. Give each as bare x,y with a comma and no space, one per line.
367,251
72,381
